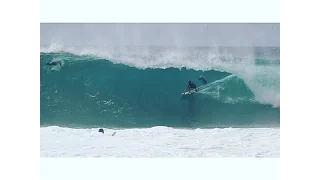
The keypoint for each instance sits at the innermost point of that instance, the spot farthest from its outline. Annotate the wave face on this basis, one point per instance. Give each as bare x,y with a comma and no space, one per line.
141,87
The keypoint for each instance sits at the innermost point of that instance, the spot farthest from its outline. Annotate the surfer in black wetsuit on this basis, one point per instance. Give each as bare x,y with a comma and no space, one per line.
54,63
204,81
191,86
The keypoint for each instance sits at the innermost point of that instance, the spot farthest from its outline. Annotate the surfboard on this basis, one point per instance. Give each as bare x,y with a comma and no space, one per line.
188,92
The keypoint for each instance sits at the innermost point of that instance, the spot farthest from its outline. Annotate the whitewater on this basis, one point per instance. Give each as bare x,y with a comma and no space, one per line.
160,142
136,94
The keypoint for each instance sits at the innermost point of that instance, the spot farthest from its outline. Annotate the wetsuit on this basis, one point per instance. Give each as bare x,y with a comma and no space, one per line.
191,86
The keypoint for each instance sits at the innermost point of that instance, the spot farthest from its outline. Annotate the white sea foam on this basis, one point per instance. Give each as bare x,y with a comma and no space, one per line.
160,142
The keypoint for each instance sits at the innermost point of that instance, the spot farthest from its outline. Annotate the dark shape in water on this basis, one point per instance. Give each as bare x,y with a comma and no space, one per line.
101,130
204,81
54,63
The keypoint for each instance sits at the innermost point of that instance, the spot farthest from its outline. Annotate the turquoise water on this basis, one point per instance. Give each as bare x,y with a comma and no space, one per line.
125,91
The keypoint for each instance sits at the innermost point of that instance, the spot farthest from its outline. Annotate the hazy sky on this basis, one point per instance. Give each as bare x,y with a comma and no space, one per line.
163,34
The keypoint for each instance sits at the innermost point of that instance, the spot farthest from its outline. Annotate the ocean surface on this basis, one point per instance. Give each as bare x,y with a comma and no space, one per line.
136,92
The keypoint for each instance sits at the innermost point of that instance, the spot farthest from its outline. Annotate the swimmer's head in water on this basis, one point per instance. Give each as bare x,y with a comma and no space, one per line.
101,130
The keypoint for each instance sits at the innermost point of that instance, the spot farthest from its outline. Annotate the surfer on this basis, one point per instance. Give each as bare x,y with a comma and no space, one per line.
54,63
204,81
191,86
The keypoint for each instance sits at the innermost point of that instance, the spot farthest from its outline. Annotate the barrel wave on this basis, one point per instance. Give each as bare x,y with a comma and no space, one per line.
90,91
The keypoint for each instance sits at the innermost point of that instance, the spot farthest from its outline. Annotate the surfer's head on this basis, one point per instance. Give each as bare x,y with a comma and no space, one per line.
101,130
189,81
